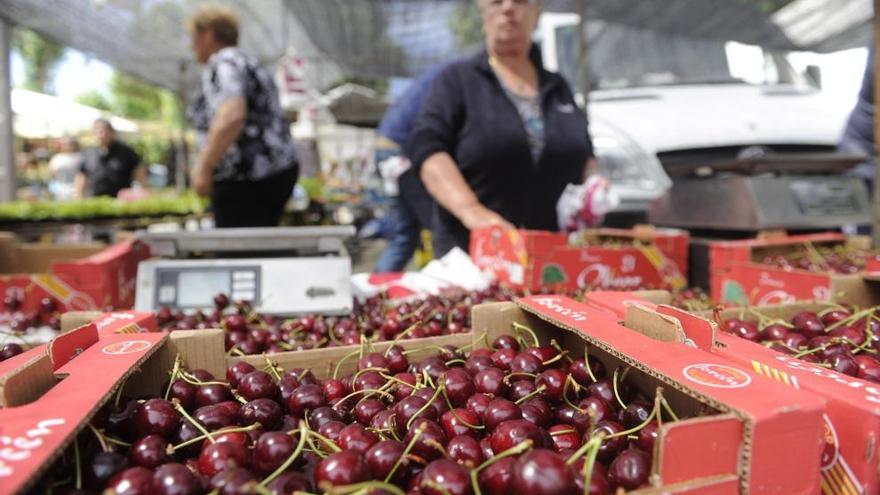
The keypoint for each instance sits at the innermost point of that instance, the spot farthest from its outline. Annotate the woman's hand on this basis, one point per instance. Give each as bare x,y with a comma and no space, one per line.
478,216
201,180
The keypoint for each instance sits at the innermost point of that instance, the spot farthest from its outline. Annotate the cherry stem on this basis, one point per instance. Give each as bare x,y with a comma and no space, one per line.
425,407
272,367
175,370
406,451
100,437
587,363
402,335
188,378
117,442
591,461
457,360
614,385
452,410
366,370
515,450
368,393
330,443
562,432
200,438
531,394
195,423
523,328
555,358
304,434
78,463
518,373
365,487
569,379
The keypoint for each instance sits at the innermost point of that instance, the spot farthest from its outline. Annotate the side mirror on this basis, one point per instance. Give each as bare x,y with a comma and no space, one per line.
814,74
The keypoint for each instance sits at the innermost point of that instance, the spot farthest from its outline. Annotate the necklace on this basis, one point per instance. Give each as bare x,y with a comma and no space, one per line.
520,86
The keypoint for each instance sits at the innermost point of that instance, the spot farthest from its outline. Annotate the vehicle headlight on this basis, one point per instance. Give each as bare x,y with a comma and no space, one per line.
624,163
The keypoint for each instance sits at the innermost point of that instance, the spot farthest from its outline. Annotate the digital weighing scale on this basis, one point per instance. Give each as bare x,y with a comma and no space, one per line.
739,198
282,271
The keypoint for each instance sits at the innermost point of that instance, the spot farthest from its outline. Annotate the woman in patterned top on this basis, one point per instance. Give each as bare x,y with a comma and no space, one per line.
247,163
499,137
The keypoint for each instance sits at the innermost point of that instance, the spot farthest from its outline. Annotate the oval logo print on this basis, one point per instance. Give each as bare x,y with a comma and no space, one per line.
127,347
717,375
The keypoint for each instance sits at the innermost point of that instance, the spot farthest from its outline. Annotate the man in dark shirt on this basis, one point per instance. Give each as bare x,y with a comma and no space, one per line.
109,167
859,134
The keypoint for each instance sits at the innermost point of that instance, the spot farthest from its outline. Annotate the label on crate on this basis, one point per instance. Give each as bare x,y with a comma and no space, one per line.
717,375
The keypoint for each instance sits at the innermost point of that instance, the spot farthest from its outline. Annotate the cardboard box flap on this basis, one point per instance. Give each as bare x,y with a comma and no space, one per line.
698,331
67,346
28,382
680,440
654,325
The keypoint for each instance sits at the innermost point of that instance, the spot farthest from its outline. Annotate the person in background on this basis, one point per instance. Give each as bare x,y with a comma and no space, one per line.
109,167
858,138
499,137
247,163
411,208
63,167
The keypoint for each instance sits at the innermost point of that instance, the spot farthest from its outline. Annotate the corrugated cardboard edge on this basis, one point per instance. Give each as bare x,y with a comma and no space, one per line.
28,382
200,349
62,447
654,325
748,423
75,319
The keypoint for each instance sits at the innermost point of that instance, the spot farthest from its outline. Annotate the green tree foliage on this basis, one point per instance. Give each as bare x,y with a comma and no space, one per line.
132,98
40,57
95,99
466,24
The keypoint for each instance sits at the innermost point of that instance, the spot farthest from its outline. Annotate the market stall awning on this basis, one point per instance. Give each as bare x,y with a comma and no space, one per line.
827,25
37,115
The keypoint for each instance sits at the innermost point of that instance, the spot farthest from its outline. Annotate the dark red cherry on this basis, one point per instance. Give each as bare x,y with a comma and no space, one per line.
267,412
542,471
445,477
510,433
465,450
630,470
340,469
175,479
156,416
133,481
150,452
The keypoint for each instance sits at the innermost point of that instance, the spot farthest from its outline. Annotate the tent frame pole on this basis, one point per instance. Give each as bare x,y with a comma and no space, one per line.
7,155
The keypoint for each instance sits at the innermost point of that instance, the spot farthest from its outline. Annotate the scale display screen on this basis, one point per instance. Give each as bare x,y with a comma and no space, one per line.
825,197
197,288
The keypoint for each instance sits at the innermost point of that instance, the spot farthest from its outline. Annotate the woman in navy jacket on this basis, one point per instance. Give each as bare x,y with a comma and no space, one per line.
499,137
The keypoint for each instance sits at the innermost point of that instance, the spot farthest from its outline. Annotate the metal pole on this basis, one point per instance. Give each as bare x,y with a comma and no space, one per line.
583,73
876,124
181,170
7,157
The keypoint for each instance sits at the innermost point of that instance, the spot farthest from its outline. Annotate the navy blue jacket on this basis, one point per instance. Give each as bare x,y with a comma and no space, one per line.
469,115
399,118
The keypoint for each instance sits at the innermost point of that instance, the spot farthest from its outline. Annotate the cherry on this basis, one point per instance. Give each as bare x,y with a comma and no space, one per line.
477,403
381,458
465,450
214,417
384,420
397,362
407,409
648,437
330,430
505,342
843,363
568,415
869,367
610,446
356,438
457,422
525,362
578,371
322,415
9,350
458,385
149,452
854,336
502,358
267,412
235,323
553,381
564,437
258,385
774,331
103,466
536,411
542,471
340,469
184,392
289,482
834,316
271,450
496,478
407,387
366,409
602,389
445,477
306,397
133,481
334,389
212,394
373,360
175,479
427,394
234,481
795,341
156,416
221,301
744,330
434,366
636,413
476,363
630,470
809,324
220,456
514,431
237,371
430,443
12,303
370,380
498,411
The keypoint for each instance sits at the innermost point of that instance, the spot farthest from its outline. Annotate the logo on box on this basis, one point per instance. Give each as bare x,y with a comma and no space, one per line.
127,347
717,375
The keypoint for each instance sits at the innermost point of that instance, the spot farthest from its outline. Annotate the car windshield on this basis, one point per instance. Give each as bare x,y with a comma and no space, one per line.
622,57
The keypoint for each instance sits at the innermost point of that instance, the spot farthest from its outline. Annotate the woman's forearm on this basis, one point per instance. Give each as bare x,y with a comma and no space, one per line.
225,129
446,184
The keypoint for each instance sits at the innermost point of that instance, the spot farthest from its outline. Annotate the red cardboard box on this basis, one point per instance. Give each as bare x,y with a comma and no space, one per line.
649,258
738,275
851,458
77,277
779,444
43,413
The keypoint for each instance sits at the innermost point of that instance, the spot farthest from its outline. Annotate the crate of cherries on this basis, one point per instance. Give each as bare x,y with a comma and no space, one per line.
520,415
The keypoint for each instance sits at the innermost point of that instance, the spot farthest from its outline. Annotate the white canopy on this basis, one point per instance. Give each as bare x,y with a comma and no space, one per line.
38,115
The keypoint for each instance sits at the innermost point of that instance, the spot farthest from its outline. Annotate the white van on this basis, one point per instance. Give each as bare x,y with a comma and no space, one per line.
658,101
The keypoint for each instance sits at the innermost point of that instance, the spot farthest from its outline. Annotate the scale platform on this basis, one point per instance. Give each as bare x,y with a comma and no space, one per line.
299,270
777,192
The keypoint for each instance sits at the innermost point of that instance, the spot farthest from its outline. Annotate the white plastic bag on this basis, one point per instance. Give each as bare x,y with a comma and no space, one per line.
585,205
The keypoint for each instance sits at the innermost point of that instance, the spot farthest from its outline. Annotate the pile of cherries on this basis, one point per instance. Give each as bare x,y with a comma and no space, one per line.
513,418
249,333
16,323
838,338
821,259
